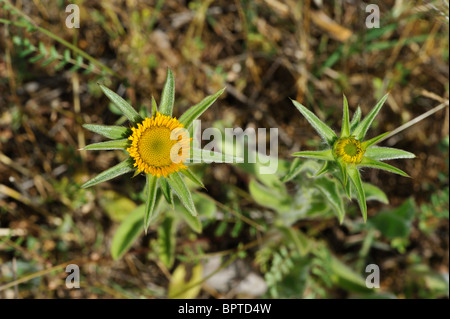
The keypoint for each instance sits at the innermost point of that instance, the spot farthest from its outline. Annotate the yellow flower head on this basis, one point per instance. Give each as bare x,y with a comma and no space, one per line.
349,149
159,145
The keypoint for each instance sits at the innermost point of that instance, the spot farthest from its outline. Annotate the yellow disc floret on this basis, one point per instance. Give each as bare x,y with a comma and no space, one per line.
349,150
159,145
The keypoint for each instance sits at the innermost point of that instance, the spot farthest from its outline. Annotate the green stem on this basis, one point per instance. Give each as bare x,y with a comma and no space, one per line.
79,51
60,40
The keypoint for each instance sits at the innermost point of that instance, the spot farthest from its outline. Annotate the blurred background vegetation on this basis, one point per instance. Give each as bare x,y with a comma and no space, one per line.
264,52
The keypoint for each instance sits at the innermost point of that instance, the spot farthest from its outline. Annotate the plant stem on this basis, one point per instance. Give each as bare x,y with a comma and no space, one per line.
60,40
415,120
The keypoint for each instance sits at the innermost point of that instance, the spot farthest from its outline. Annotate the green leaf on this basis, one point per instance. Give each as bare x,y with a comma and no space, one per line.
42,48
268,197
166,241
347,278
294,170
195,111
205,205
66,55
17,40
36,58
343,170
360,194
206,156
298,238
355,120
298,165
112,132
123,105
179,186
54,53
122,144
167,191
348,190
387,153
345,131
325,155
48,61
150,204
179,288
154,107
117,206
361,130
127,233
189,174
192,221
396,222
24,53
374,193
168,95
365,145
324,131
326,167
89,69
77,65
368,162
117,170
330,190
60,65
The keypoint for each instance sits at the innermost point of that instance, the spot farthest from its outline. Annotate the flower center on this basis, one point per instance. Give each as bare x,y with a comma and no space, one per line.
349,150
154,146
159,146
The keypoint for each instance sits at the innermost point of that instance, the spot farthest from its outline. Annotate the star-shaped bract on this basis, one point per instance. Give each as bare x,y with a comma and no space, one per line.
149,145
349,152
